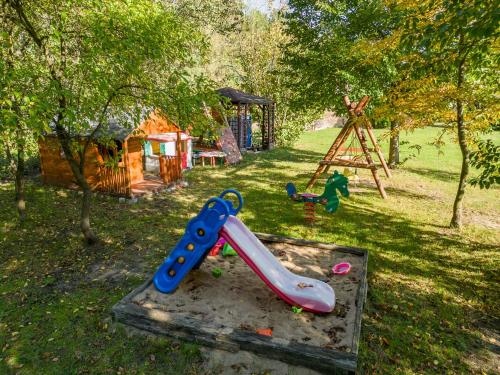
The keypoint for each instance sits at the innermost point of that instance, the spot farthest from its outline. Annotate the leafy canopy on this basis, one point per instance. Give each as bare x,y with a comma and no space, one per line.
115,59
331,51
438,37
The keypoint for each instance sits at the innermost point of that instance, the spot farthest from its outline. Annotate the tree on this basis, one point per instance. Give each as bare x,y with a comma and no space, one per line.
220,21
425,62
109,59
261,71
20,118
451,49
343,47
212,16
330,50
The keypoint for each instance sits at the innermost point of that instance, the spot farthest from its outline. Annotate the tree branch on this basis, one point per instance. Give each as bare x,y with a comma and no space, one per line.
104,110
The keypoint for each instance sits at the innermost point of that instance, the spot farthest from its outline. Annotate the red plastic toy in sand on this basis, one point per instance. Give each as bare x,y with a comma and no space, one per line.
264,331
341,268
218,245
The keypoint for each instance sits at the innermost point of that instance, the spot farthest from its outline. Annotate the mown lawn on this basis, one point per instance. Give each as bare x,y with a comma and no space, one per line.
433,300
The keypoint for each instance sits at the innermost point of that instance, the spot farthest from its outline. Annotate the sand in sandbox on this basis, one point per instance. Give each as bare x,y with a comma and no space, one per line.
239,299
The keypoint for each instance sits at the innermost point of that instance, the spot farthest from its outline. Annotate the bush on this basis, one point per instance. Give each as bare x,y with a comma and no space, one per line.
487,160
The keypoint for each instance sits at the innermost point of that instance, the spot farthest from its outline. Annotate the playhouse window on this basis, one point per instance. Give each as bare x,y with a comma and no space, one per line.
108,152
119,150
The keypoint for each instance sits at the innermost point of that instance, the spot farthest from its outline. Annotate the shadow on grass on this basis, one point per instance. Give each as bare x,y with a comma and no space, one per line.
435,174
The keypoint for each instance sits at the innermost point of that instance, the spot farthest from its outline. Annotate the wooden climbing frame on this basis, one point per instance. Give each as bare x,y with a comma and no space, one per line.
359,123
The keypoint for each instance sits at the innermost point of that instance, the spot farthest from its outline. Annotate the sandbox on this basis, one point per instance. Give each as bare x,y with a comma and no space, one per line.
226,312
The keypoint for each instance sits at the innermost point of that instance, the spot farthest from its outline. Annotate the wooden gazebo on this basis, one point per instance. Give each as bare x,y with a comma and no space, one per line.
240,120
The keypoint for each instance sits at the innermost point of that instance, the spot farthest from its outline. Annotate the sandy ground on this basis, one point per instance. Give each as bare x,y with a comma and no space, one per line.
246,363
239,299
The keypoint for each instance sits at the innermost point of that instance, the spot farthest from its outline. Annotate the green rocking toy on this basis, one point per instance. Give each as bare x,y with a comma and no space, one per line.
329,198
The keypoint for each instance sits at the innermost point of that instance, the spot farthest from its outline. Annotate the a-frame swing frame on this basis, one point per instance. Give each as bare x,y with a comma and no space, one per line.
357,122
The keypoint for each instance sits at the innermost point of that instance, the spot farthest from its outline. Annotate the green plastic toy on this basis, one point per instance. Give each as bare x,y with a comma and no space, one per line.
216,272
296,310
227,250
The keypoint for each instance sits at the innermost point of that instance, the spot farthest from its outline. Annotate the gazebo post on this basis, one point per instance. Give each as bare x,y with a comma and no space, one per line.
245,127
268,127
238,130
263,127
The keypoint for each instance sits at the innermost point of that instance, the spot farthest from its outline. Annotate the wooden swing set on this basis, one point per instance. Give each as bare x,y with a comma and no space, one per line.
341,156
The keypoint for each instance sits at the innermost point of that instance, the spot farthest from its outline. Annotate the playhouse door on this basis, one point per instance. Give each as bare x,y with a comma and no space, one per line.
151,161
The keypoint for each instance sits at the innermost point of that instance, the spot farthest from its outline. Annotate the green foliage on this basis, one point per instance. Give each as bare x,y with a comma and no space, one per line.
21,117
331,51
439,40
116,60
261,71
246,53
450,50
111,61
487,159
213,16
444,32
289,129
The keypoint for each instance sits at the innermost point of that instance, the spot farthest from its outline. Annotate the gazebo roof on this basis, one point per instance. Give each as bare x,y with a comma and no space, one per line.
240,97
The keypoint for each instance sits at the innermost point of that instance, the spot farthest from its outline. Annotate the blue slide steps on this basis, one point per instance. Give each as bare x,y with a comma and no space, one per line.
202,232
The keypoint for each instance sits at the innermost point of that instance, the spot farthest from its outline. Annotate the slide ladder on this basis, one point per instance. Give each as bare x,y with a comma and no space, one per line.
201,234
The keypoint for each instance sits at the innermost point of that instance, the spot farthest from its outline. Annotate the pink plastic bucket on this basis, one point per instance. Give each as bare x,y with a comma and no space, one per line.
341,268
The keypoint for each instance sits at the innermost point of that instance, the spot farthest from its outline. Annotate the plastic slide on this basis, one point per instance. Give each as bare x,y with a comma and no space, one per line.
218,219
310,294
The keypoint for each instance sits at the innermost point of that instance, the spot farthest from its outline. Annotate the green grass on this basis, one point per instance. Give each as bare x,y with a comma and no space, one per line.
433,292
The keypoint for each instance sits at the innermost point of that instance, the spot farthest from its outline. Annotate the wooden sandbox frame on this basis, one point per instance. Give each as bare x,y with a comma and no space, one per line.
217,336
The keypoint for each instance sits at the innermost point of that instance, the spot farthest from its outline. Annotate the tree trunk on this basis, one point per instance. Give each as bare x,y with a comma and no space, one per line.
78,172
87,232
456,220
89,236
394,146
20,202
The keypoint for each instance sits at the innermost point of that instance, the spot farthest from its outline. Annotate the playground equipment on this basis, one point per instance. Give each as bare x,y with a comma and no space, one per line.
352,156
217,219
329,197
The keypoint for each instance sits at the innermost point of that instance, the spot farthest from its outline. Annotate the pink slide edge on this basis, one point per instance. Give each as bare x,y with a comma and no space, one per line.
253,266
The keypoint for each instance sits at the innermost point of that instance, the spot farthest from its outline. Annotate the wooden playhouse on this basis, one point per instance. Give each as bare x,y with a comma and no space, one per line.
145,159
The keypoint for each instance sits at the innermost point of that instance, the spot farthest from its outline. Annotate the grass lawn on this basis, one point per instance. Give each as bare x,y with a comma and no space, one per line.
433,300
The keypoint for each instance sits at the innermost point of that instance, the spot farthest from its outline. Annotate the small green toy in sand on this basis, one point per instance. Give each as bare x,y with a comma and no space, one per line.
296,310
228,251
216,272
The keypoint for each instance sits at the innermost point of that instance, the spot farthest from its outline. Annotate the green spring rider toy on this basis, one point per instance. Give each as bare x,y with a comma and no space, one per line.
329,198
